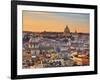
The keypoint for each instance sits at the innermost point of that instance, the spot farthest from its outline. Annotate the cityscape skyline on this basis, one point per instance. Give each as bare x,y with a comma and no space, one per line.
55,21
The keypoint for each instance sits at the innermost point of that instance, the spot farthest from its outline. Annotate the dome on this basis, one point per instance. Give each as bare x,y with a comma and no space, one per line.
66,31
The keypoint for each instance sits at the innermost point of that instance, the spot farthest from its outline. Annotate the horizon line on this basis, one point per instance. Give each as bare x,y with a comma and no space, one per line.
52,32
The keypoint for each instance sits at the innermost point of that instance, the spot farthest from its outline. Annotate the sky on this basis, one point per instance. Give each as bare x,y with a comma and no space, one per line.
36,21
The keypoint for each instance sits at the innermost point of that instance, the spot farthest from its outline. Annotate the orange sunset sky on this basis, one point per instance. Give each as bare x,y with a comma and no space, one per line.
55,21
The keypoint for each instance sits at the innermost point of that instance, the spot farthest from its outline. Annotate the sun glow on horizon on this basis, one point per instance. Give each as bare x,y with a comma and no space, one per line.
55,21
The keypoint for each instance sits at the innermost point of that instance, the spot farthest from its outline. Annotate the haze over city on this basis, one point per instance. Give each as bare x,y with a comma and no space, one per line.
55,21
